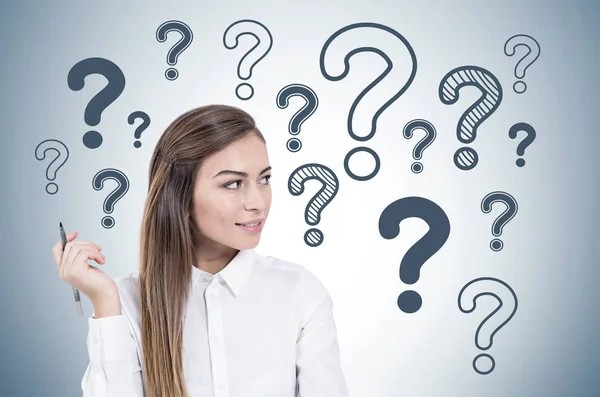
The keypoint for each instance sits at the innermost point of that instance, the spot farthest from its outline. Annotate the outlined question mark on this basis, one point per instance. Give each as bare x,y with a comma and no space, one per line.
507,306
109,203
332,45
312,215
177,49
311,104
99,103
512,133
410,267
466,158
526,61
430,135
141,128
264,40
56,164
501,221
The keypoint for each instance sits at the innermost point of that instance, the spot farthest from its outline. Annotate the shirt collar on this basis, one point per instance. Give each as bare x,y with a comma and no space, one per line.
235,273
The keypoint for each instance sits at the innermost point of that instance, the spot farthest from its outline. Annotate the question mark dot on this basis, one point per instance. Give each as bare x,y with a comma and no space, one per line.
313,237
244,91
416,167
520,162
92,139
51,188
477,363
409,301
520,87
466,158
496,245
171,74
294,144
137,144
108,222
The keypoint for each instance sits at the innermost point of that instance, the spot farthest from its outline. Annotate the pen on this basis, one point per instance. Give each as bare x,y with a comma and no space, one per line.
63,236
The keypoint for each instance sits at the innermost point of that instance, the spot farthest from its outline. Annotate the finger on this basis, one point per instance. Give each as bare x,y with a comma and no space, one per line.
57,249
80,264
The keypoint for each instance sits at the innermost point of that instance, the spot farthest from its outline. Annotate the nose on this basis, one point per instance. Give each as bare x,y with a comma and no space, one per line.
255,197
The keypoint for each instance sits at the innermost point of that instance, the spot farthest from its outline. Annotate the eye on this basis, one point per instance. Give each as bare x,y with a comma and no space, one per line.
268,180
231,183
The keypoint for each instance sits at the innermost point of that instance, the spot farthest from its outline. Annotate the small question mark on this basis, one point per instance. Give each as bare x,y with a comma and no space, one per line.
526,61
312,102
466,158
264,41
56,164
141,128
512,133
356,36
312,215
507,304
410,267
176,50
99,103
430,135
114,196
501,221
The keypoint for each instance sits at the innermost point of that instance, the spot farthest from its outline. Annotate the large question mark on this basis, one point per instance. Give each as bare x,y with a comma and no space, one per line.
311,104
333,46
410,267
54,166
430,135
141,128
94,109
312,215
526,61
512,133
231,40
501,221
490,325
466,158
114,196
176,50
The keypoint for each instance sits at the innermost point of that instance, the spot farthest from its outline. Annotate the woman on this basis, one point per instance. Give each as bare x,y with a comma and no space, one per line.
206,315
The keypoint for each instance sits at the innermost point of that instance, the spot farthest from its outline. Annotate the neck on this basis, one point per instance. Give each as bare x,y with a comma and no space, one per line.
215,260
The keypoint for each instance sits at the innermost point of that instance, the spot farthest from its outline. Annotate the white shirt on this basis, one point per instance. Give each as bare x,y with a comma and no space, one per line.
261,327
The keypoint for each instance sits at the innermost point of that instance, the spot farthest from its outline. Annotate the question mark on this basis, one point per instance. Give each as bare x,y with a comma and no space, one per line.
467,298
410,267
312,215
510,212
430,135
54,166
114,196
312,102
533,47
346,31
233,32
141,128
466,158
176,50
512,133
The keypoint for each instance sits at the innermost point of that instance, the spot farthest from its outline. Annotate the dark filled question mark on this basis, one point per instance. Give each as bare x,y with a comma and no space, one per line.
512,133
114,196
54,166
410,267
312,215
430,135
312,102
501,221
94,109
176,50
141,128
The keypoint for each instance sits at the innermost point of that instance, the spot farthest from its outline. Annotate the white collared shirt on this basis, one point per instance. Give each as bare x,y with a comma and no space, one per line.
261,327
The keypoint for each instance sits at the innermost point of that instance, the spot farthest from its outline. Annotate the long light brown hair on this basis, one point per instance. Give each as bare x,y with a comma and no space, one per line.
169,236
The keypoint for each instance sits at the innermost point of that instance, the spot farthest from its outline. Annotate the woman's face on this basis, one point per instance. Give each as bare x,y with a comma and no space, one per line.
232,187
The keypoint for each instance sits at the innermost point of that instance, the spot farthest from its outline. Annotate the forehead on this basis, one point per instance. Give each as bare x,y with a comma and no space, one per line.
247,154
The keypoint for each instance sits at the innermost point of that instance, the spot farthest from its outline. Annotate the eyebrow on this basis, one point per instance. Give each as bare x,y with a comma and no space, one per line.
240,173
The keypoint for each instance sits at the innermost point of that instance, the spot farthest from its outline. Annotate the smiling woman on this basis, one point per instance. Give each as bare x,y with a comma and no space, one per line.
206,315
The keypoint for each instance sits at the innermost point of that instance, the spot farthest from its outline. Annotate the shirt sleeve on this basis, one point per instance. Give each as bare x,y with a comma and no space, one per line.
114,369
318,367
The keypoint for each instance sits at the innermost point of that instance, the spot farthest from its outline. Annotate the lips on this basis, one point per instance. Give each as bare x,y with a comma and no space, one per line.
257,220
